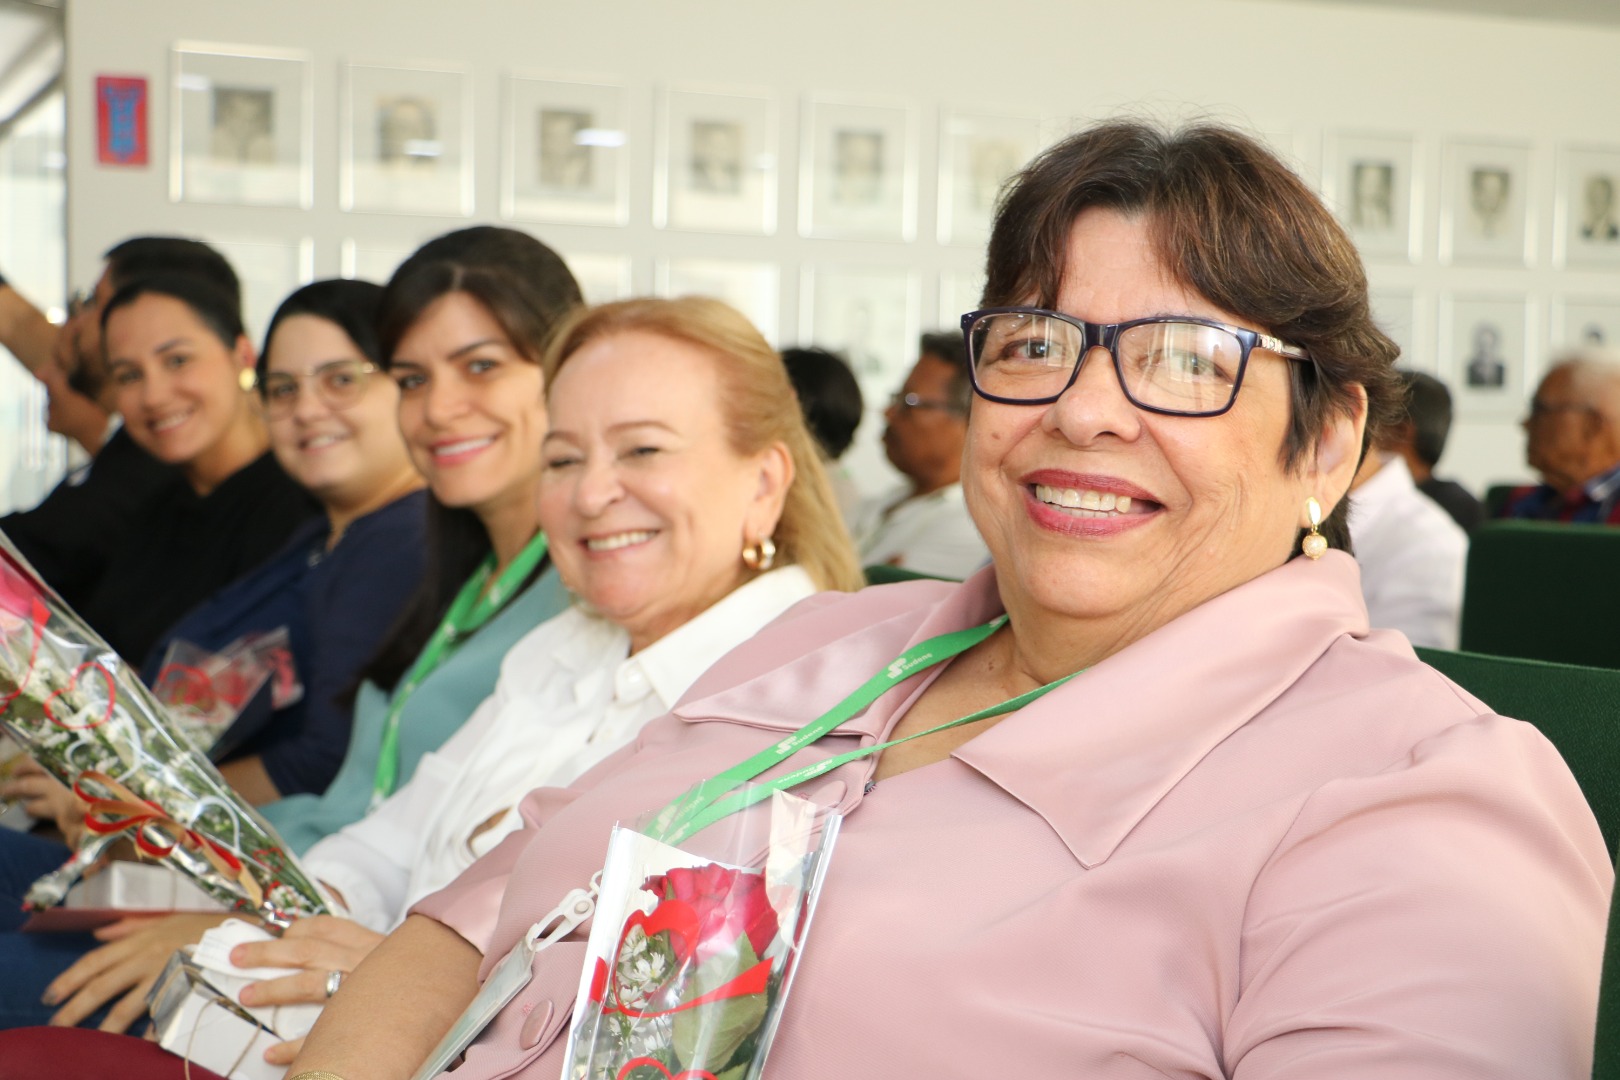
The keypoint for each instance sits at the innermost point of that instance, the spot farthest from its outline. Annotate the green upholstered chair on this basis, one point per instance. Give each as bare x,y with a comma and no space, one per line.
1577,708
888,575
1544,591
1496,497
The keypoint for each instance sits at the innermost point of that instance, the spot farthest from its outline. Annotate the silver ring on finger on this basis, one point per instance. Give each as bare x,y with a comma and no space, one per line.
334,979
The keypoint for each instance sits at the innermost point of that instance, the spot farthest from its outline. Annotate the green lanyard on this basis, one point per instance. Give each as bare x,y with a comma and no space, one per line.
471,609
717,796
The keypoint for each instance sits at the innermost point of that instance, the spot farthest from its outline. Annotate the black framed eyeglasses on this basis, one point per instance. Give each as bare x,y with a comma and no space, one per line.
1175,365
338,383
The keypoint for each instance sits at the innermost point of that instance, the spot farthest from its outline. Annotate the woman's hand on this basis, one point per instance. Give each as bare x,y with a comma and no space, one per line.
44,797
319,946
125,968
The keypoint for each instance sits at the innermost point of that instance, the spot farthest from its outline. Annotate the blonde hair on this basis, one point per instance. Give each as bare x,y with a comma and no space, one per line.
759,406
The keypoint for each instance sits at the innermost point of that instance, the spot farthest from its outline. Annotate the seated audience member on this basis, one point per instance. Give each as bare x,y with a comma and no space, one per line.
830,397
924,525
666,431
73,532
1411,553
1419,437
340,583
1199,819
1573,441
182,371
462,324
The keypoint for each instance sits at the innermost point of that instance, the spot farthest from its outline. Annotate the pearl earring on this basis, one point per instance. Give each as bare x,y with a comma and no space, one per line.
1314,545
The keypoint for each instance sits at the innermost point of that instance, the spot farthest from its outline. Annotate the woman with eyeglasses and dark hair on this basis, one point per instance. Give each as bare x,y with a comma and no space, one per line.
1169,807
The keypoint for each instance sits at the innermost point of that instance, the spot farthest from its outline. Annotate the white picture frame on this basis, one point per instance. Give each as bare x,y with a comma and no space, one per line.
867,314
717,161
858,171
1486,348
269,270
1486,196
407,140
978,154
753,288
1396,313
565,156
602,278
1588,206
242,126
1584,321
368,261
1374,184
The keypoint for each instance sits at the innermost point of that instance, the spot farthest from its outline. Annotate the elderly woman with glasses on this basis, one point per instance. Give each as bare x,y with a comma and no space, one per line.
1169,806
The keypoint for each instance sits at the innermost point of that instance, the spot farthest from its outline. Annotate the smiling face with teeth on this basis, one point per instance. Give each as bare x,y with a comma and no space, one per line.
1096,510
178,388
645,500
345,457
472,413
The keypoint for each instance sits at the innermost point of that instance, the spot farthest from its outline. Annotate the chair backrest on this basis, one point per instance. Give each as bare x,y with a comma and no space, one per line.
1544,591
883,574
1496,497
1577,708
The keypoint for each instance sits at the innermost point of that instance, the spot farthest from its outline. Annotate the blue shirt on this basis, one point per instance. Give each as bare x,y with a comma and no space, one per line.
337,606
441,704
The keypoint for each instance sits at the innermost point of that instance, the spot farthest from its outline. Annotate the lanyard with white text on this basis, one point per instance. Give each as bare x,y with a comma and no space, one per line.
718,796
473,606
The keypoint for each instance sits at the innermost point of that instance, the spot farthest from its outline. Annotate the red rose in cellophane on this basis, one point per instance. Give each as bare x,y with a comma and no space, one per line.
726,904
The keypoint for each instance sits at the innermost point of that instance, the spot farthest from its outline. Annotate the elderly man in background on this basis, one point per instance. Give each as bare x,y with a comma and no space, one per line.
924,525
1573,441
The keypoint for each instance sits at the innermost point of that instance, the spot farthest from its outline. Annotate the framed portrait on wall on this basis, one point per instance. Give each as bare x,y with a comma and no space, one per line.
753,288
269,270
717,162
1486,348
602,278
1395,312
1588,207
565,157
407,141
858,171
1373,185
867,314
241,126
959,293
1588,322
978,153
1485,204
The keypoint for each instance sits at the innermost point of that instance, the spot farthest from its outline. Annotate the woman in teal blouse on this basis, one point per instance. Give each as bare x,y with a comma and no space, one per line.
463,323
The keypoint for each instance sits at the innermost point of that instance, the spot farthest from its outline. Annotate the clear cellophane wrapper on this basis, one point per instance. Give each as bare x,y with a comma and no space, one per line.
203,692
82,714
693,948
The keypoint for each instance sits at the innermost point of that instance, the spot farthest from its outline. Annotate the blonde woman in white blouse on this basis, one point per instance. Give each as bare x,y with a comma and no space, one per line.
686,508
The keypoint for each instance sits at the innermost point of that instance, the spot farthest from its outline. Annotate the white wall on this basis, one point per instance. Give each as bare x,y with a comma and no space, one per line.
1307,71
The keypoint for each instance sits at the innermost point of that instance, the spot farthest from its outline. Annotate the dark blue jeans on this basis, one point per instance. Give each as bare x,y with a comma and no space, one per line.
28,962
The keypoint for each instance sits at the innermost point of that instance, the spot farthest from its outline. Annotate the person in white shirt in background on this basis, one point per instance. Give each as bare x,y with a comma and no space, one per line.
830,396
1410,550
923,525
686,507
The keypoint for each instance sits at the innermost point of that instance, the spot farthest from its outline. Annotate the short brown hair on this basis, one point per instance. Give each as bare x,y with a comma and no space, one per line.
1232,223
759,407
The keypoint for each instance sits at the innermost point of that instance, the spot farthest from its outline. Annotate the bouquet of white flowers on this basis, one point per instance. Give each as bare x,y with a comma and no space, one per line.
80,712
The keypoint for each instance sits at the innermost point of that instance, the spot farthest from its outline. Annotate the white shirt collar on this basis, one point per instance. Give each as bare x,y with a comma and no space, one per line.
671,664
